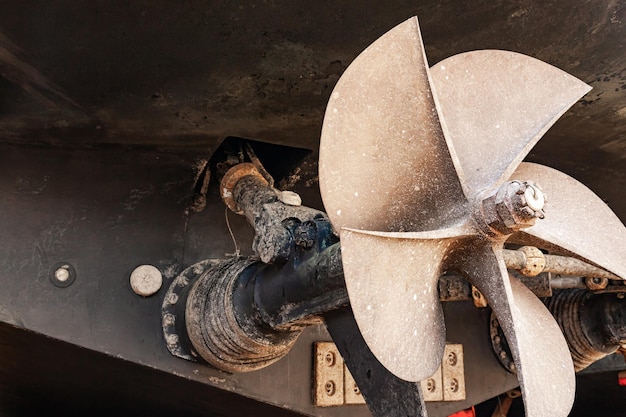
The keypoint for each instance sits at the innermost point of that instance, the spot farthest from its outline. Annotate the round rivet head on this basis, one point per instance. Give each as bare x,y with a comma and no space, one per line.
62,274
146,280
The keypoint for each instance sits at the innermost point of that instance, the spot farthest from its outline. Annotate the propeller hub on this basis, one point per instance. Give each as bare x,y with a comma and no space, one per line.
515,205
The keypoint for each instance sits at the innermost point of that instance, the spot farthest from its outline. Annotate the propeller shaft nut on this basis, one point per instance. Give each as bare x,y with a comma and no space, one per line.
516,205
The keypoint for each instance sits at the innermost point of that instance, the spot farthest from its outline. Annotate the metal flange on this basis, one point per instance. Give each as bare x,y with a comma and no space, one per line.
232,177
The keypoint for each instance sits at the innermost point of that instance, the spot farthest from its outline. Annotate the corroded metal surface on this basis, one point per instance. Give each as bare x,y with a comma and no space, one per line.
530,261
230,179
500,345
565,306
173,310
215,330
513,206
269,215
593,325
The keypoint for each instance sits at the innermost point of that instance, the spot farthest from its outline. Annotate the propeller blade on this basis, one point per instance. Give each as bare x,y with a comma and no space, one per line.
392,285
495,106
577,220
542,357
386,394
384,163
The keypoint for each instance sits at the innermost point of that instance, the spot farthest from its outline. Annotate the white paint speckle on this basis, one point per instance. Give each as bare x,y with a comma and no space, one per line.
335,95
338,212
443,67
335,110
414,297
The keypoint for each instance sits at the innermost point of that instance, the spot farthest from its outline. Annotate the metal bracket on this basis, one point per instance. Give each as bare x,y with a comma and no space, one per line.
453,370
448,383
329,375
351,392
479,299
335,386
433,387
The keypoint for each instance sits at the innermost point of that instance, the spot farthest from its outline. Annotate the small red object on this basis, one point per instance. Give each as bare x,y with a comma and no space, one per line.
466,413
621,378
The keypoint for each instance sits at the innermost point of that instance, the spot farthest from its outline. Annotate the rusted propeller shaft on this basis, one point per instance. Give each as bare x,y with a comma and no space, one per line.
530,261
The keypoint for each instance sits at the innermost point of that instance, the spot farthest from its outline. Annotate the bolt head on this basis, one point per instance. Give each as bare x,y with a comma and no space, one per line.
329,359
169,319
330,388
516,205
430,385
62,274
452,359
146,280
454,385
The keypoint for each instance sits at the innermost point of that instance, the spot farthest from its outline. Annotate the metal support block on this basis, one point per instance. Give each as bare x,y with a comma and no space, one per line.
448,383
433,387
352,393
453,373
334,385
329,375
479,299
